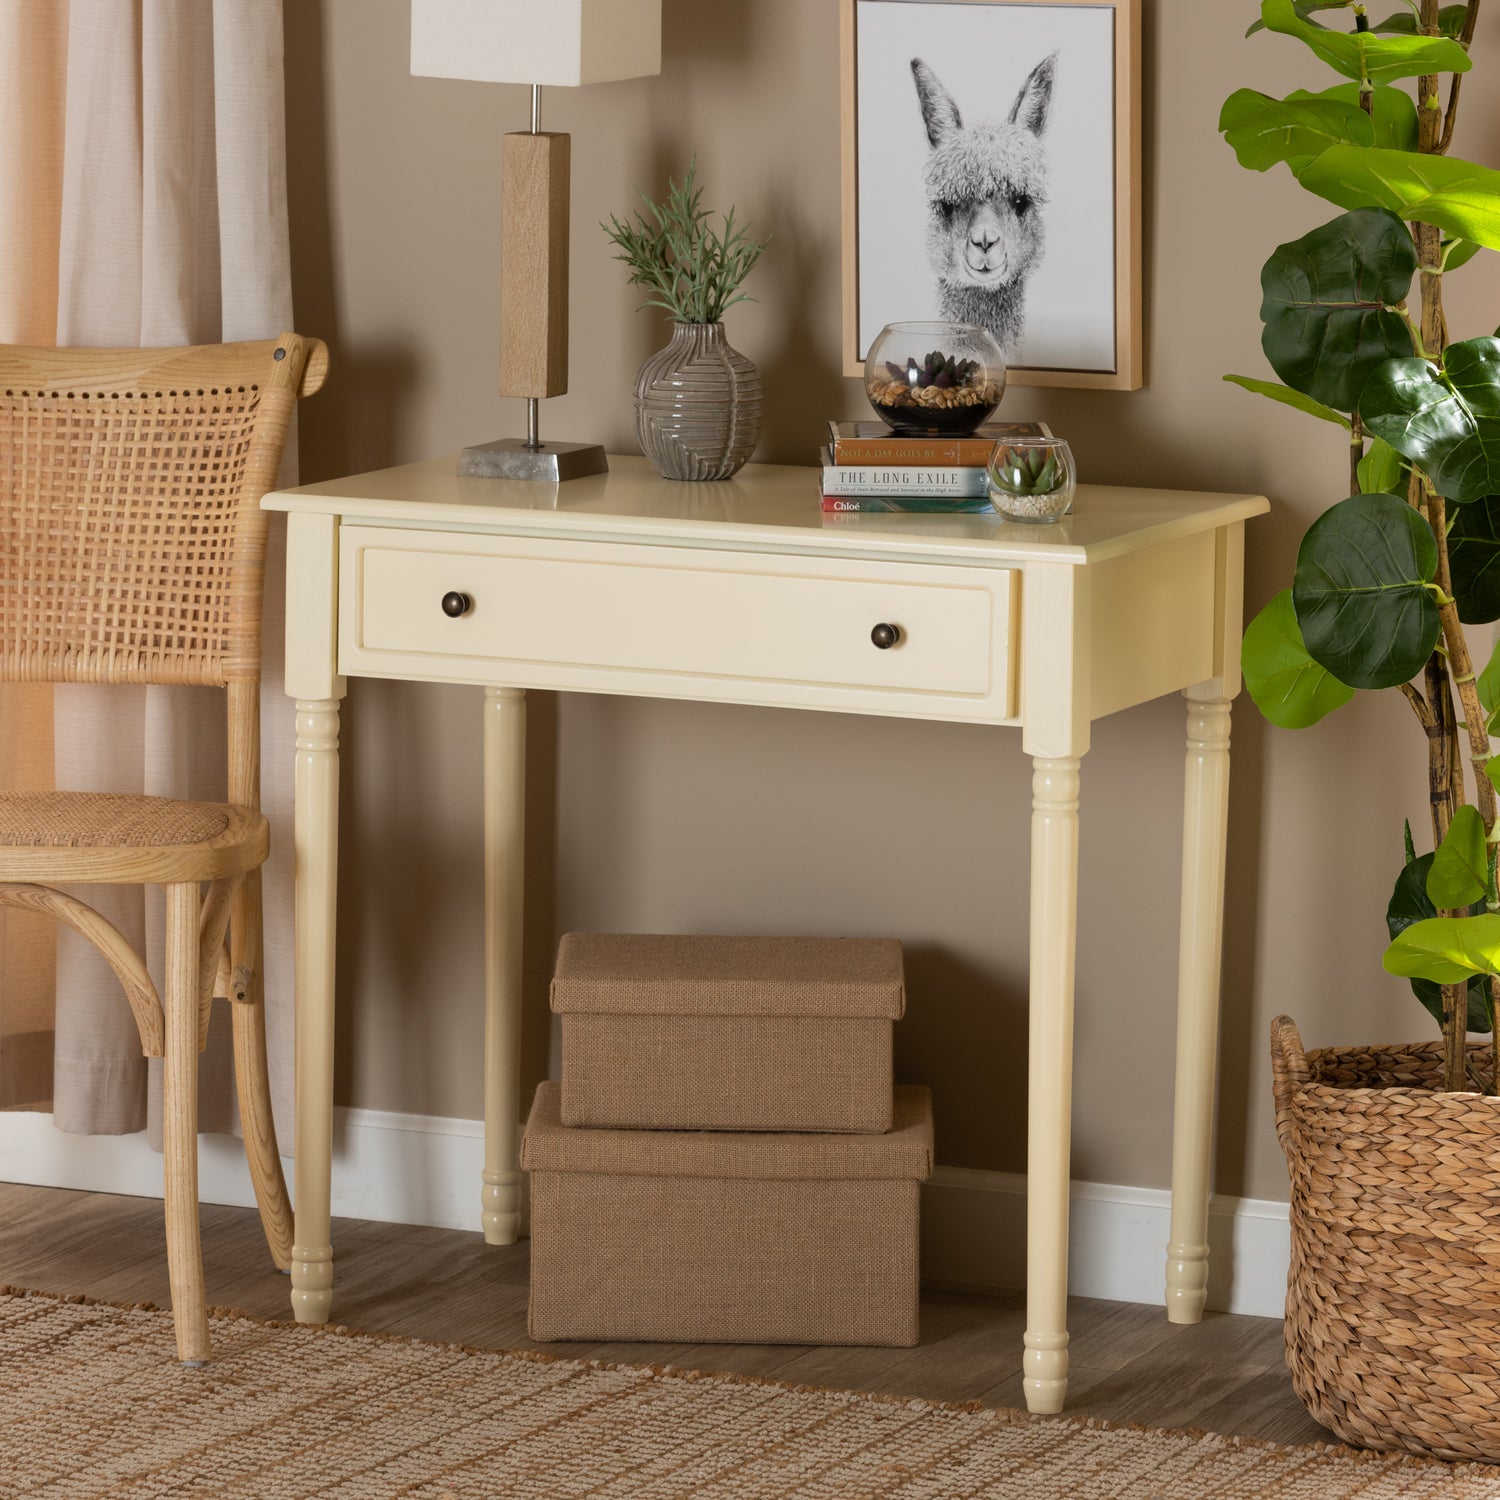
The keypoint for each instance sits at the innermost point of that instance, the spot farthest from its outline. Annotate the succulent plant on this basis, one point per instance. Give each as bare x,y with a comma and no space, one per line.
939,369
1026,471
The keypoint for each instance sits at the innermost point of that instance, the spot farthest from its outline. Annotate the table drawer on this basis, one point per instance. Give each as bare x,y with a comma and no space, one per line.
611,617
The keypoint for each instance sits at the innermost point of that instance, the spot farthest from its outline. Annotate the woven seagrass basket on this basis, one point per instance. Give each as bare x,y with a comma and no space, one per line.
1393,1299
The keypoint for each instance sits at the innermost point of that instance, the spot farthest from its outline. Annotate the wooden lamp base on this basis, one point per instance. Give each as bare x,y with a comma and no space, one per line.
534,312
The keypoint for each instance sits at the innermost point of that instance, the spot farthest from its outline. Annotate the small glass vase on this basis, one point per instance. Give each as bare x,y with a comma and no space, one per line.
1032,479
934,378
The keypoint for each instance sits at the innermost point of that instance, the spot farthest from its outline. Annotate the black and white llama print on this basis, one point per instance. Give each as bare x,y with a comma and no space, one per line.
986,189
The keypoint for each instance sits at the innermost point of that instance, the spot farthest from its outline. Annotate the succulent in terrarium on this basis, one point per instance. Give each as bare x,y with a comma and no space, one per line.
937,369
1032,480
934,378
1026,471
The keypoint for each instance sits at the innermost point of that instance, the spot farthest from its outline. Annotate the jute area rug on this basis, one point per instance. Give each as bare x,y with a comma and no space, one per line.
93,1403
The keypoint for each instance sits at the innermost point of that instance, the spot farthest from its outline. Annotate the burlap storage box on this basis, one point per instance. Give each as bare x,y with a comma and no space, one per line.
727,1033
720,1237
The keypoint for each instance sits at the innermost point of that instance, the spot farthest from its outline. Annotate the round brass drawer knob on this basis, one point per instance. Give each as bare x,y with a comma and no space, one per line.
456,604
885,636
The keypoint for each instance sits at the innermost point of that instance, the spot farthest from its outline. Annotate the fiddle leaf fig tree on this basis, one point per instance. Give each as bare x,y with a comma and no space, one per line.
1387,577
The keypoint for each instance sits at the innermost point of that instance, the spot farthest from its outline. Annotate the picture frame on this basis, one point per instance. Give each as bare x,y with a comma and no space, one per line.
962,216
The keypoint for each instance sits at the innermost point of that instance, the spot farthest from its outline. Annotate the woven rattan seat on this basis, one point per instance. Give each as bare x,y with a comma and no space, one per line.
94,820
132,550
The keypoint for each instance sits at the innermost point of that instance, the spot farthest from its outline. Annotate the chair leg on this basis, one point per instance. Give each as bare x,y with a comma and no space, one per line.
180,1125
247,1004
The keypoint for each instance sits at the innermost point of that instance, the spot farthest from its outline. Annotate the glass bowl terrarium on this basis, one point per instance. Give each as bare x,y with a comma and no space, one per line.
934,378
1032,479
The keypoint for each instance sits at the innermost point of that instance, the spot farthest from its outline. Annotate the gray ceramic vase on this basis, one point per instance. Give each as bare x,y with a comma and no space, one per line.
698,405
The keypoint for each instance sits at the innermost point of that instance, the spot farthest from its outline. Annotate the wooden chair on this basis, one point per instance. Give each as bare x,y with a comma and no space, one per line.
132,550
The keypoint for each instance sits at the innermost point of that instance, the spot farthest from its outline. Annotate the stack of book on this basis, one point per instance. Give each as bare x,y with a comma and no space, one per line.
867,467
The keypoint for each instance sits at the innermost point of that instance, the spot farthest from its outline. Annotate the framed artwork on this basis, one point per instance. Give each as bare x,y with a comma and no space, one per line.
991,174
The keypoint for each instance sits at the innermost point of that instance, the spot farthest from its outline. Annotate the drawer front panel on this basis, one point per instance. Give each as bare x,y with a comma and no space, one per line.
601,616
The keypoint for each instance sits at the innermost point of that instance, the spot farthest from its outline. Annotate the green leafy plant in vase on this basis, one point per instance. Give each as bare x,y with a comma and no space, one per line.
698,401
1385,581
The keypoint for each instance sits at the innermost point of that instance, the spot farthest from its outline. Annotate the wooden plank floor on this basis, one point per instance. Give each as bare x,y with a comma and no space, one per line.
1129,1364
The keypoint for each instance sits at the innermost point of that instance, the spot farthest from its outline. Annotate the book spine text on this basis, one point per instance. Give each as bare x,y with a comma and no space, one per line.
966,482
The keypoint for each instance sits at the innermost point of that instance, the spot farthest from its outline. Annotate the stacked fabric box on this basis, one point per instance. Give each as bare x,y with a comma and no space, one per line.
725,1158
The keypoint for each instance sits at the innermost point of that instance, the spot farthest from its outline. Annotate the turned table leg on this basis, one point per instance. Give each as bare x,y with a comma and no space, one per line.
1054,922
315,838
504,886
1204,835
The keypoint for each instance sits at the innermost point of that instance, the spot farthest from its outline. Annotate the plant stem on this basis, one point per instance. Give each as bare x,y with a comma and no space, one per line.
1466,36
1431,130
1418,705
1494,1087
1429,238
1461,669
1439,738
1455,771
1356,450
1445,793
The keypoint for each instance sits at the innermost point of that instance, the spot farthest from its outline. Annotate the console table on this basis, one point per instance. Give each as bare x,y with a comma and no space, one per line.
743,591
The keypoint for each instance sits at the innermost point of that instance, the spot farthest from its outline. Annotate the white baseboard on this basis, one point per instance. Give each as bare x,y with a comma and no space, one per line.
393,1168
421,1169
974,1234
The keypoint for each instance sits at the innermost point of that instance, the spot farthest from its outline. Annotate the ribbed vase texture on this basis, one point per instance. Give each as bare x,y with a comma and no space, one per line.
698,405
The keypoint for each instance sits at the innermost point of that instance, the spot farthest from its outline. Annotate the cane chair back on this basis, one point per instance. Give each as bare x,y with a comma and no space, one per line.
132,550
132,543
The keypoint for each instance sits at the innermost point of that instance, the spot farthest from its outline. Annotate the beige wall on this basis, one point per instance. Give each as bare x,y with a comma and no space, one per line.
659,816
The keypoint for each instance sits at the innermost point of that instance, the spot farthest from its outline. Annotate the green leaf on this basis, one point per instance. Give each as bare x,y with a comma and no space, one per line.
1305,9
1264,131
1326,305
1406,843
1460,869
1447,950
1458,253
1409,904
1492,770
1460,197
1288,686
1447,421
1288,397
1381,471
1360,591
1404,23
1392,110
1474,561
1363,55
1488,683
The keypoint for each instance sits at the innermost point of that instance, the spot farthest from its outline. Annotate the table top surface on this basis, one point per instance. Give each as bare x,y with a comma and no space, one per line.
768,506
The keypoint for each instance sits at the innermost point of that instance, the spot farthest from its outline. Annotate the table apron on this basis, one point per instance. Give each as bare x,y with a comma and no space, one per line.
679,623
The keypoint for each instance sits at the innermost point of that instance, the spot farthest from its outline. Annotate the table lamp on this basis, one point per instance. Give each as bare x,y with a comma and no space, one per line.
569,42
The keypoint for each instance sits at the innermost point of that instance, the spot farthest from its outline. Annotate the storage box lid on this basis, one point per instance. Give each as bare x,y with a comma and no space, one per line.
904,1152
648,974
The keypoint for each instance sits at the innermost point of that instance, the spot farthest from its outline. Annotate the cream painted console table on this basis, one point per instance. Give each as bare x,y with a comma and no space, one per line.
744,592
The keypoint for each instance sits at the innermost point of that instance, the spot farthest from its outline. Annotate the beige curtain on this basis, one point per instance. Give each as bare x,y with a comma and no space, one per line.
165,186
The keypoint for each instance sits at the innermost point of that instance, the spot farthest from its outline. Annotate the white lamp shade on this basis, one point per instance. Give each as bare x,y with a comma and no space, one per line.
568,42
